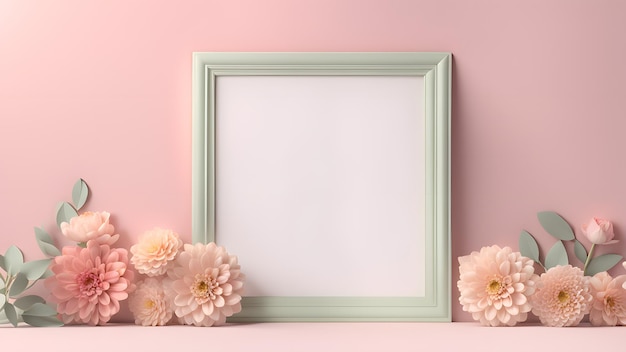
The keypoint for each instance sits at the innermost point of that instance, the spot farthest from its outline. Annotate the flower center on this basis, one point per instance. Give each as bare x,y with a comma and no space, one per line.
495,287
149,304
610,302
205,288
563,296
89,283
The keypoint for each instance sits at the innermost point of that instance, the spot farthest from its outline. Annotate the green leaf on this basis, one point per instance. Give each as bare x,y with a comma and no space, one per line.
45,243
13,259
555,225
19,285
35,269
602,263
42,235
580,251
47,274
9,310
65,212
3,300
33,320
80,192
2,263
26,302
40,310
528,246
556,256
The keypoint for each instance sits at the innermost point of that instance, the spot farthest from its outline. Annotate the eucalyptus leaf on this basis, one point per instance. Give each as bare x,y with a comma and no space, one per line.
80,192
19,285
580,251
35,269
11,314
47,274
43,236
65,212
40,310
528,246
26,302
13,259
602,263
556,256
2,263
555,225
2,284
48,249
3,300
48,321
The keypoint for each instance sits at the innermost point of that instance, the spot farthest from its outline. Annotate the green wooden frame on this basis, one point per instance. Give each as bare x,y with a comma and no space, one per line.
435,68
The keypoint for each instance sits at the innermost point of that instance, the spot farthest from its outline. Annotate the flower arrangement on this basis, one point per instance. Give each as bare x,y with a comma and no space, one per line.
164,280
499,286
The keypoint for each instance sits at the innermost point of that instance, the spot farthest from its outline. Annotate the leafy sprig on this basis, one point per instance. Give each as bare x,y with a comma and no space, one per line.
558,228
17,276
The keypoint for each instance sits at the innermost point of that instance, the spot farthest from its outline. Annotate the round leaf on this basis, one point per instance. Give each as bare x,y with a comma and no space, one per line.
65,212
48,249
602,263
11,314
42,235
80,192
13,259
33,320
3,300
35,269
26,302
528,246
556,256
555,225
19,285
2,263
40,310
580,251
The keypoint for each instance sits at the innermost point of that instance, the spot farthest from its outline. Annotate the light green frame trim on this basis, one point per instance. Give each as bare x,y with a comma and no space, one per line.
436,70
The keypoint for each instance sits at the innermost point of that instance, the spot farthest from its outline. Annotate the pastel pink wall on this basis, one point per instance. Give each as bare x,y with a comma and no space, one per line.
102,91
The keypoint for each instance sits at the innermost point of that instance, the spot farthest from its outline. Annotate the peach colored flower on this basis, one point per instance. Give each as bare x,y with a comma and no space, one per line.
599,231
206,285
88,283
149,303
155,249
495,284
562,297
87,226
609,300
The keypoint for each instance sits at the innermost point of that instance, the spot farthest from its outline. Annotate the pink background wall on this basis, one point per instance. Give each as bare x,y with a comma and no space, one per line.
102,91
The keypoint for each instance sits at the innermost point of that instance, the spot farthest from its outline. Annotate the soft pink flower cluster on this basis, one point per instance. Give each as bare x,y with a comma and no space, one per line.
90,280
193,284
499,287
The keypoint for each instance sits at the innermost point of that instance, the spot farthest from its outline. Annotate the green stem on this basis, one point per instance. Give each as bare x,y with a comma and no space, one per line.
588,258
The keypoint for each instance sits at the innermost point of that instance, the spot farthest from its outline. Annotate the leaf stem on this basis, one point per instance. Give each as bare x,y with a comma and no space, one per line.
593,246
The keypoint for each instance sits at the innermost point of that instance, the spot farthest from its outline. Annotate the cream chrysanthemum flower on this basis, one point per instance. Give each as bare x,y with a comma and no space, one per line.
495,284
562,297
154,250
609,300
149,303
206,285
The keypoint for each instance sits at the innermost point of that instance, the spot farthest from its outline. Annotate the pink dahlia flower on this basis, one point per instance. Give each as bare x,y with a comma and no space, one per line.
495,284
155,249
206,285
609,300
149,303
87,226
562,297
88,283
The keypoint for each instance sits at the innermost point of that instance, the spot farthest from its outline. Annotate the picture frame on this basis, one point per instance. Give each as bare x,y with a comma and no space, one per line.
265,127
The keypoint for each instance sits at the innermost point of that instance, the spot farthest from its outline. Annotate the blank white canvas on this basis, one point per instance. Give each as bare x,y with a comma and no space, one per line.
320,183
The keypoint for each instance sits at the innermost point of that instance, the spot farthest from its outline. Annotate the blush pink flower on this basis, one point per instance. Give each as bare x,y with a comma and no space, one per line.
88,283
599,231
609,300
87,226
562,297
149,303
154,250
206,285
495,285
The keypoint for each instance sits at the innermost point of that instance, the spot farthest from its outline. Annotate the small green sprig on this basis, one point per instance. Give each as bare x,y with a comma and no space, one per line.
558,228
